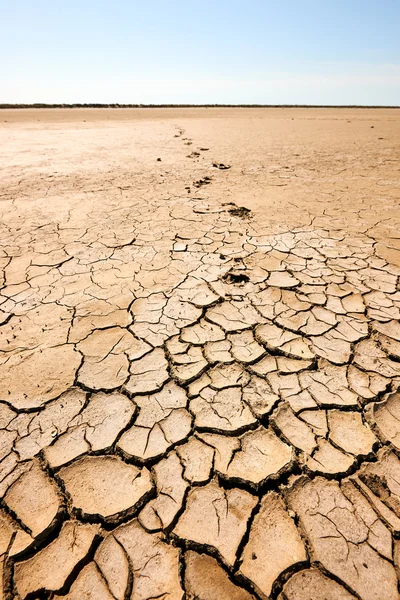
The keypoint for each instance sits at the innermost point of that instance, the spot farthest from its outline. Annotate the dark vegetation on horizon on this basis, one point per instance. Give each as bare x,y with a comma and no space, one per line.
43,105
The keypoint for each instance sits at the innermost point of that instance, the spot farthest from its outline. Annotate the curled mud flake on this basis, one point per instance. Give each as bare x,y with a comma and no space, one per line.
311,584
182,313
245,349
148,374
223,447
113,563
216,518
390,346
282,279
332,347
218,352
293,429
194,388
317,420
328,385
197,459
267,364
189,365
367,385
175,346
69,446
368,356
154,334
154,565
148,310
382,478
378,280
50,568
179,247
7,438
26,331
89,581
11,471
146,443
39,431
379,535
35,501
380,307
255,457
266,300
8,531
30,379
258,395
223,376
386,415
95,428
387,516
285,386
328,460
390,329
222,410
338,538
96,316
105,488
163,421
106,358
295,321
351,329
348,432
302,401
201,333
292,365
160,512
275,338
353,303
233,316
273,547
205,579
115,340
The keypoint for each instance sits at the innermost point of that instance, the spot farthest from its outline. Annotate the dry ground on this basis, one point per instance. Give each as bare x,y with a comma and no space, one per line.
199,400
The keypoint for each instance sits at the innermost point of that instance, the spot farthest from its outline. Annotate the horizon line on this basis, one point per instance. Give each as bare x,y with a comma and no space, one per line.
116,105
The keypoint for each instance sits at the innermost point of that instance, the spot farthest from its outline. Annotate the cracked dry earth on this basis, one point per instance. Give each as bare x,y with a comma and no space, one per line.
200,355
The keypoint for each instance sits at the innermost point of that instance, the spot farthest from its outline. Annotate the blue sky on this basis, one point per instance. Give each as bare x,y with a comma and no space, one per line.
225,51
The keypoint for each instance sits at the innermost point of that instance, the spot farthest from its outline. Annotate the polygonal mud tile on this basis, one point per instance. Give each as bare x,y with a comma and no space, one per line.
50,568
274,545
338,537
95,428
104,487
216,518
205,579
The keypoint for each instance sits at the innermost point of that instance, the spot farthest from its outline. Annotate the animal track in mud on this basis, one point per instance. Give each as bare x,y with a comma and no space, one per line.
235,277
221,166
204,181
238,211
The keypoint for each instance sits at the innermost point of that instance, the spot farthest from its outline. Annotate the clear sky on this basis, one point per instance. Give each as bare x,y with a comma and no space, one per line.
200,51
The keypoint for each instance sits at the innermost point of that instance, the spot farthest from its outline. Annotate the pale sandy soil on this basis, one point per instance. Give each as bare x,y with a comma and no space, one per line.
199,401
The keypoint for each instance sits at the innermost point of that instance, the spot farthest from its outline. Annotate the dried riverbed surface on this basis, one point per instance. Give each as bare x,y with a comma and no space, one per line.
200,354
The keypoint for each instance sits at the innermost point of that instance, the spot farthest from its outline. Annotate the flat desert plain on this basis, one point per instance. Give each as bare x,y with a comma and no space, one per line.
200,354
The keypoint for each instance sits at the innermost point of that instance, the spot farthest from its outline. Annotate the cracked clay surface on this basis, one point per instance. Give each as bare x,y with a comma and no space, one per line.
200,354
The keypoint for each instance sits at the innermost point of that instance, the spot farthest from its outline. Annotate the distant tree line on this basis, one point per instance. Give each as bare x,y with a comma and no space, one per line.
43,105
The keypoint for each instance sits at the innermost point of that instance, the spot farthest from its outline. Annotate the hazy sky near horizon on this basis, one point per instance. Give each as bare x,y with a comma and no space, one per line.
181,51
